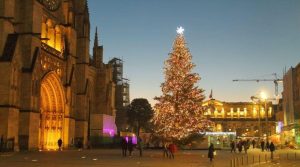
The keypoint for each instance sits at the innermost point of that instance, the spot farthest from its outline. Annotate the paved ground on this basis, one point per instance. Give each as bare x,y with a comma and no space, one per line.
113,158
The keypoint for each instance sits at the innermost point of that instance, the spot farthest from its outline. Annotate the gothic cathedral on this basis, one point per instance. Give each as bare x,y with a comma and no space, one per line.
50,86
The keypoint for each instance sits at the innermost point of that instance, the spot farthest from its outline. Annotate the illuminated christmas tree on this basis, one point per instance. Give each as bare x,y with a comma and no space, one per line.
178,112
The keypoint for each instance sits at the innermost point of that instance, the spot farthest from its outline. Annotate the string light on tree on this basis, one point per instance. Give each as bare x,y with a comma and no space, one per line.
178,111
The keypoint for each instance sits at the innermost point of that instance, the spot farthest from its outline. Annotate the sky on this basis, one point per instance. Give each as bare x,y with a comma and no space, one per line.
228,40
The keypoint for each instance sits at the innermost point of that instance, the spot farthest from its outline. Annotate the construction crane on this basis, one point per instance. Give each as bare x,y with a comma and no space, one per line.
276,80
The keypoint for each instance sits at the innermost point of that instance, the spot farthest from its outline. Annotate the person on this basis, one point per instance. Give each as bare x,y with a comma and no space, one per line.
240,146
140,143
166,151
124,146
253,143
1,143
262,145
59,142
211,151
232,145
272,149
172,149
79,144
267,146
246,146
130,146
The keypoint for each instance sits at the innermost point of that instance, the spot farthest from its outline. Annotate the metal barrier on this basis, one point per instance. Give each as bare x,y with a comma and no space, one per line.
246,160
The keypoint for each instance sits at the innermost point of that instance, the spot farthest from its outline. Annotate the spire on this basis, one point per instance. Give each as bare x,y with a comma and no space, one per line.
211,94
96,38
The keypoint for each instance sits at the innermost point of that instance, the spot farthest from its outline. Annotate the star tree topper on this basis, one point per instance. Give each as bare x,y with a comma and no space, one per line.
180,30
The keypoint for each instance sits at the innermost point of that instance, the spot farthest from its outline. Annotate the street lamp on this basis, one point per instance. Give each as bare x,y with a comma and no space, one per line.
264,98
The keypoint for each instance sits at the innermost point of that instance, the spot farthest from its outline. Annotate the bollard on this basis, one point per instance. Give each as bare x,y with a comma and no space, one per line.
242,160
266,157
247,160
259,158
287,156
253,159
295,155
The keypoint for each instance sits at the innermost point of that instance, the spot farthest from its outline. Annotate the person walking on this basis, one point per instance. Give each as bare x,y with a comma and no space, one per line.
253,143
232,145
172,149
124,146
140,143
59,143
130,146
267,146
165,149
272,149
240,146
211,151
246,146
262,145
1,143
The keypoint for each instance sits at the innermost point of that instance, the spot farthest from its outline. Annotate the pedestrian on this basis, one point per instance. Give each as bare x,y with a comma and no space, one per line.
253,143
232,145
1,143
140,143
272,149
166,150
130,146
262,145
211,151
267,146
59,143
124,146
172,150
246,146
79,144
240,146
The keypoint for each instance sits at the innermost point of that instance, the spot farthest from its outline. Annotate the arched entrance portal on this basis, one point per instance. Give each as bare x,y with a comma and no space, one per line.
52,112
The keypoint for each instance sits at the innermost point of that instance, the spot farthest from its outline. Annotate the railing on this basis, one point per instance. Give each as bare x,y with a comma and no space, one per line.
247,160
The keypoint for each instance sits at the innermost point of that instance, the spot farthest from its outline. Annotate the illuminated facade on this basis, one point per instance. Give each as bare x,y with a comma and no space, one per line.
50,88
291,106
244,118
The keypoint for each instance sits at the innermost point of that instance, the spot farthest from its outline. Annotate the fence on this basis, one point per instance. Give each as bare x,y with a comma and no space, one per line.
246,160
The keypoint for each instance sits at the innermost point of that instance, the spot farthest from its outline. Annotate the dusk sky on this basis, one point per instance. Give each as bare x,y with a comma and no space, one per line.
228,39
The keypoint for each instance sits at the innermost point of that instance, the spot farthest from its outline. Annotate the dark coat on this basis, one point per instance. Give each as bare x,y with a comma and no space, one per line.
124,143
130,145
211,150
59,142
272,147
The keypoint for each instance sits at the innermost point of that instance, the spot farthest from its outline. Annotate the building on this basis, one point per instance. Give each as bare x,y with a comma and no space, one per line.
247,119
121,94
50,88
291,106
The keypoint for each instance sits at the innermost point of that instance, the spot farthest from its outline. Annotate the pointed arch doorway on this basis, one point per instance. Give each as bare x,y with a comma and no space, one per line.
52,111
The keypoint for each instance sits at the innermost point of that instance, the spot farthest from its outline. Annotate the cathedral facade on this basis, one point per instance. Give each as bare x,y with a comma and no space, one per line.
50,86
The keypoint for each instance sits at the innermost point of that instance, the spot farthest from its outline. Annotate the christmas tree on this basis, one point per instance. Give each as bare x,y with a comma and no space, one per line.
178,111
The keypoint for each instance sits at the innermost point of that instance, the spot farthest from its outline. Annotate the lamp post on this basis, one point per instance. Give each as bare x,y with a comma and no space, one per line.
264,98
259,123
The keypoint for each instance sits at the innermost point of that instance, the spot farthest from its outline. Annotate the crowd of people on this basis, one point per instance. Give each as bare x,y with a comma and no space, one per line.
245,144
127,144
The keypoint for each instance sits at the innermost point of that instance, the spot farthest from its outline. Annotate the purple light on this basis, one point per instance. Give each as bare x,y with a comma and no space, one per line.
134,139
111,132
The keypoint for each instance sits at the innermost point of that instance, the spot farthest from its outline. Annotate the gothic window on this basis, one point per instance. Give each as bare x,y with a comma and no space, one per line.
52,35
